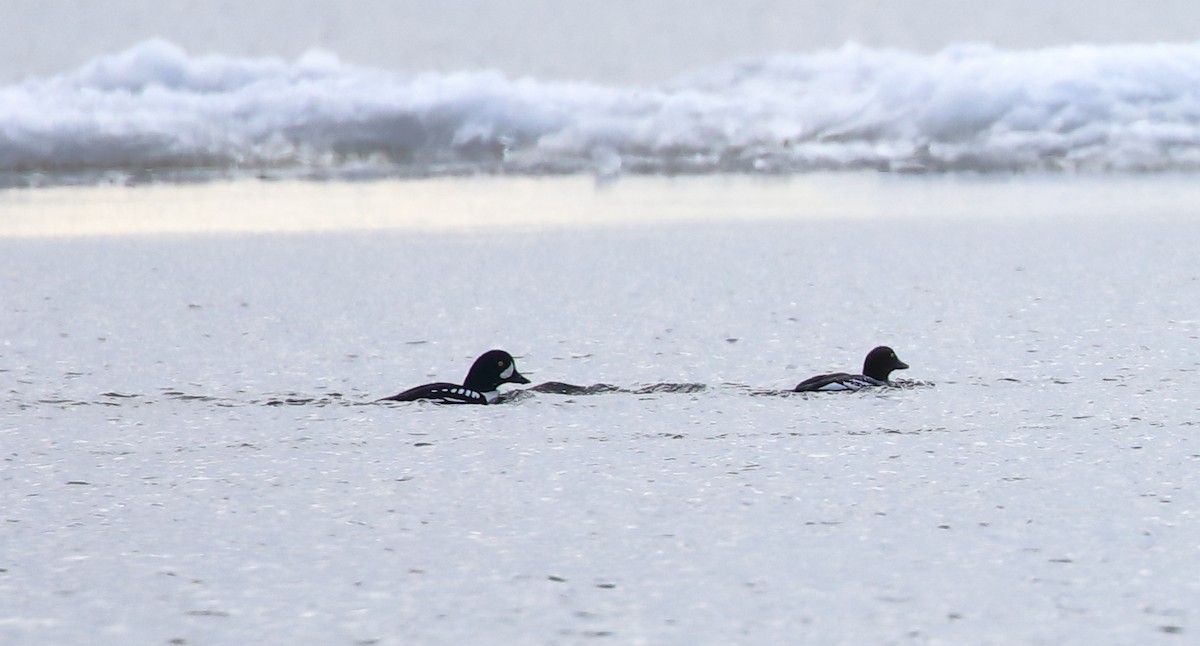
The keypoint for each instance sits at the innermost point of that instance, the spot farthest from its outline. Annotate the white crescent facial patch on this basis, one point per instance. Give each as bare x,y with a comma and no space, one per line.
508,372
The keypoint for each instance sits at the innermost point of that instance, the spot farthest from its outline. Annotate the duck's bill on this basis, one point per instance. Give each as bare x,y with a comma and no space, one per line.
510,375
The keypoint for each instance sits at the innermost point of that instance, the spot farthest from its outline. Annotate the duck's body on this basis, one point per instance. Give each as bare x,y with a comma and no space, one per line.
481,386
836,382
444,393
877,367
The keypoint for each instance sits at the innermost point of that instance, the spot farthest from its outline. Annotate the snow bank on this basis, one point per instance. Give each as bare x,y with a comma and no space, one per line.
968,108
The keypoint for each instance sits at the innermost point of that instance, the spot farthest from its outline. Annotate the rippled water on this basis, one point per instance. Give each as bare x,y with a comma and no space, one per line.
190,452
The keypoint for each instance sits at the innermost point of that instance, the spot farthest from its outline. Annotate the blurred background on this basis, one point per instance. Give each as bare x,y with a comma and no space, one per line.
613,41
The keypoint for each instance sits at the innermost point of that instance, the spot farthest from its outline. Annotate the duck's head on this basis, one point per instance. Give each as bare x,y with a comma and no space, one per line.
491,369
880,363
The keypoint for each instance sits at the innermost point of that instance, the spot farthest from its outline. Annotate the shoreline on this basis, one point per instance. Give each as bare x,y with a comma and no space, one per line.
549,203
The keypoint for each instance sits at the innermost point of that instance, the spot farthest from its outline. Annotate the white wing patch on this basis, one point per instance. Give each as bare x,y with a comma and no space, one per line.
456,394
852,383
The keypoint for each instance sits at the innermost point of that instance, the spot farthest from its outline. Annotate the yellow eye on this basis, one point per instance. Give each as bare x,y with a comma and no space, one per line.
500,363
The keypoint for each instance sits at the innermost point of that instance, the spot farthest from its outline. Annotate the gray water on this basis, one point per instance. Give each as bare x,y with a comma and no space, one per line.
190,455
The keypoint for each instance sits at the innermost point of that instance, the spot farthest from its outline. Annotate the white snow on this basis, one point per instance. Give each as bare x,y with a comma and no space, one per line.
189,454
156,112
